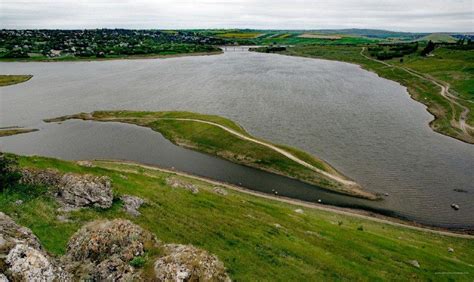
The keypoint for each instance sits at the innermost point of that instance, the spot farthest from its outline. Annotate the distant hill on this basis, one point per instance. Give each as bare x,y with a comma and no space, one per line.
439,38
374,33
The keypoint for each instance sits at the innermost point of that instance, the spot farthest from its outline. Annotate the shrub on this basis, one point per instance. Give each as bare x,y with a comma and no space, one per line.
9,174
138,262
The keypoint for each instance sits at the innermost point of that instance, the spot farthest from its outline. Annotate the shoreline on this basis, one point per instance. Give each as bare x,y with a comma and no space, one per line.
345,186
132,57
432,112
394,221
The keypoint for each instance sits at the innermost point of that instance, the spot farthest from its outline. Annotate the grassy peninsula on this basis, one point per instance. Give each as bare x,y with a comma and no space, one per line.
429,79
6,80
258,239
220,136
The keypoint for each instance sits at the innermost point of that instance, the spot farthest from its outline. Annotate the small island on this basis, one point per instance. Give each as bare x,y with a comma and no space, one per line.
224,138
6,80
8,131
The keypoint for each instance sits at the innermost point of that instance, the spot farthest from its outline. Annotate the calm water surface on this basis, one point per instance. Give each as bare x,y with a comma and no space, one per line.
365,126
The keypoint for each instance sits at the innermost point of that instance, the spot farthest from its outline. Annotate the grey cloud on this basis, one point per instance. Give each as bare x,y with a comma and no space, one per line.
405,15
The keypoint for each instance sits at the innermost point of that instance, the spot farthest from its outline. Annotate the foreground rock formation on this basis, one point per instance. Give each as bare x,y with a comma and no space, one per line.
131,204
22,257
73,190
188,263
103,250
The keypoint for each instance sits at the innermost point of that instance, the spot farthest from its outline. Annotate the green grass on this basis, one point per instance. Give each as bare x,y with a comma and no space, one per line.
266,37
6,80
453,66
213,140
296,40
240,229
439,38
240,35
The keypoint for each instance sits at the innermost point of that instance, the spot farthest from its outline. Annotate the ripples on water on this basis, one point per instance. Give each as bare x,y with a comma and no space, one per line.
365,126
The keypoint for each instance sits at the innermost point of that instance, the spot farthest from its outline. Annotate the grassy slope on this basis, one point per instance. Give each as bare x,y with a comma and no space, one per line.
216,141
438,37
265,37
455,67
6,80
421,90
240,229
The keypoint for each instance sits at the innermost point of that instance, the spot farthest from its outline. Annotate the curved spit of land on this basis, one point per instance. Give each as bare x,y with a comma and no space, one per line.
453,100
6,80
14,130
226,139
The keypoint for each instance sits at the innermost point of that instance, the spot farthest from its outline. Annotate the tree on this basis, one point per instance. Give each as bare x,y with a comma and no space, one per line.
9,174
428,49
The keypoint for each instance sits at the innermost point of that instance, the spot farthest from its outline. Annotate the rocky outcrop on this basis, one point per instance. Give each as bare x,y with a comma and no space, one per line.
47,177
12,234
73,190
85,163
102,250
179,183
85,190
131,204
28,264
21,255
220,191
188,263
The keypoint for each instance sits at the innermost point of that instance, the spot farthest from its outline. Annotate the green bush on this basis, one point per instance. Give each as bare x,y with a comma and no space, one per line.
138,262
9,174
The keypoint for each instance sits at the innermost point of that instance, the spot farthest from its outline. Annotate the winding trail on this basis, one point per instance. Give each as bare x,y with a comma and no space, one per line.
273,147
248,138
452,99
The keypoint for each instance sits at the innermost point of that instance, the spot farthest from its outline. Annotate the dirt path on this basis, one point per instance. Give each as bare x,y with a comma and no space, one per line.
348,212
268,145
452,99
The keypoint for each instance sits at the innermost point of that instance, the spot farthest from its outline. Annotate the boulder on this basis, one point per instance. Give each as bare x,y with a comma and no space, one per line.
299,211
415,263
22,257
131,204
73,190
179,183
47,177
85,163
85,190
188,263
3,278
12,234
220,191
28,264
102,250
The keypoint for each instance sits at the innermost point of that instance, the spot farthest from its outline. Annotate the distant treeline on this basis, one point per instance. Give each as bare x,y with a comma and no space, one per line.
270,49
387,51
393,50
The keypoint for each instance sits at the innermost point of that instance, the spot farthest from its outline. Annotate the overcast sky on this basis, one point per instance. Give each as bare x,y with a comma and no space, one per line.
400,15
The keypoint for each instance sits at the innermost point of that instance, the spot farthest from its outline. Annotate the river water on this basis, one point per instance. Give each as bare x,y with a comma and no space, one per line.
365,126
